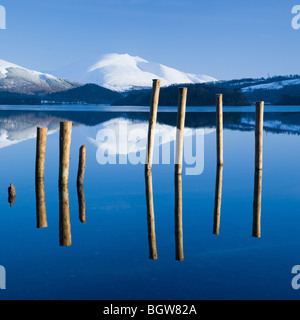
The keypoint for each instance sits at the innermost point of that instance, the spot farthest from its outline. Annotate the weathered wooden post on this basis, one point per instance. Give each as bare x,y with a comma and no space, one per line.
81,166
259,129
41,142
41,214
81,203
64,151
150,217
219,128
152,123
218,199
180,130
178,218
64,216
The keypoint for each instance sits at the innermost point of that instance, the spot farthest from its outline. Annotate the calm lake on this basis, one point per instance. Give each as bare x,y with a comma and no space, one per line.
109,254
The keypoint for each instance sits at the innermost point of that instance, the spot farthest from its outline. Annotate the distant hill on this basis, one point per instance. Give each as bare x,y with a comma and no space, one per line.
283,90
88,94
13,98
198,95
282,96
271,90
289,96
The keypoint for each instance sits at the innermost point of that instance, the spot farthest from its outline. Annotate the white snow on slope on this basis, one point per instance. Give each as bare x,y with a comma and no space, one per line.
4,65
272,86
122,72
19,79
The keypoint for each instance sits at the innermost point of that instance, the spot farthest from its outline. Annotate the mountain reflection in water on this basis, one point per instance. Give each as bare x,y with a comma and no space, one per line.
18,126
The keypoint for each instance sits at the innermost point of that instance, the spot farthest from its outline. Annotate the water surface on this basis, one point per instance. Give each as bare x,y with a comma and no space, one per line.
109,255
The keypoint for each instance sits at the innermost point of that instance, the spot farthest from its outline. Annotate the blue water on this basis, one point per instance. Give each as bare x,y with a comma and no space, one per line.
109,255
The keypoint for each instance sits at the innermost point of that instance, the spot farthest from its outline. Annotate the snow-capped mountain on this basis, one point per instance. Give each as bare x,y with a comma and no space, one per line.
18,79
122,72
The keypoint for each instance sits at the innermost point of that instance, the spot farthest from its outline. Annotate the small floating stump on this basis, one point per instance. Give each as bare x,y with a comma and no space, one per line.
12,195
152,123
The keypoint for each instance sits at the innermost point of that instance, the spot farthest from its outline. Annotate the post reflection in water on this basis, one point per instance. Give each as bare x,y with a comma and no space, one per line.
64,216
81,202
41,214
256,231
218,200
150,216
80,179
178,218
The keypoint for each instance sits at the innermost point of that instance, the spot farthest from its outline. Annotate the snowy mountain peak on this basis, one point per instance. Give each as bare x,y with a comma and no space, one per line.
114,59
122,72
15,78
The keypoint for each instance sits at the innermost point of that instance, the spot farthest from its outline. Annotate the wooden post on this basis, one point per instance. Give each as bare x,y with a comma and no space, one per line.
64,151
12,195
259,128
81,166
41,214
64,216
41,142
218,199
178,218
81,203
219,128
150,217
152,123
256,230
180,130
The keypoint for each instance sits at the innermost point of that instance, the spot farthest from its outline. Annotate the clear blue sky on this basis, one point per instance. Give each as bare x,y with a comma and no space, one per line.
225,39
